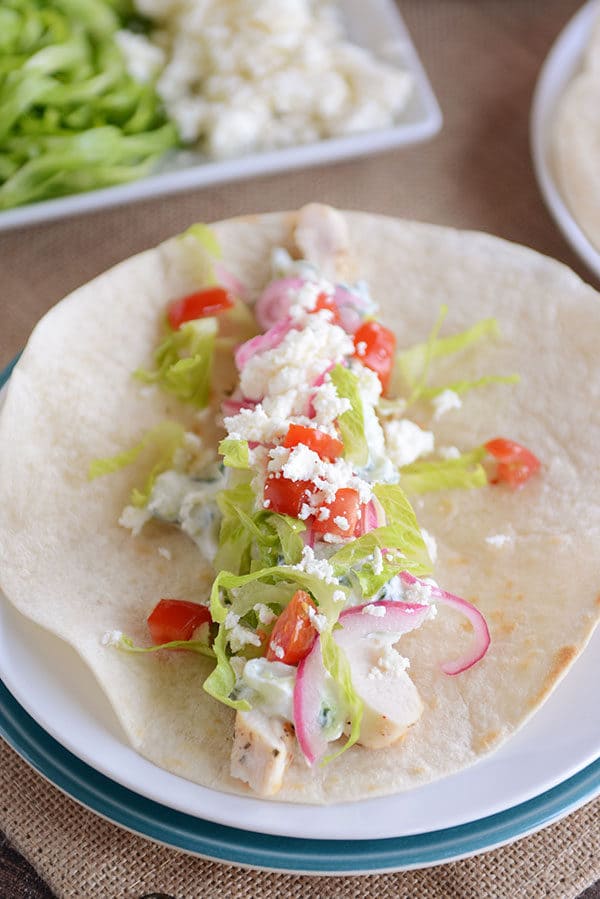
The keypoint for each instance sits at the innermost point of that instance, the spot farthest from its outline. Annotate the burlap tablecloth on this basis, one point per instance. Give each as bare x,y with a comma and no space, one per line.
483,57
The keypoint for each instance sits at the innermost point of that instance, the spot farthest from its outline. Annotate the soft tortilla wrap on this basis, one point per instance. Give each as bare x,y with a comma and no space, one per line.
68,565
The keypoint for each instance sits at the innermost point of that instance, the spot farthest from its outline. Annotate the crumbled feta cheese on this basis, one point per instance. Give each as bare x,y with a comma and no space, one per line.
377,561
324,513
134,519
430,544
375,673
327,404
391,660
302,464
305,511
240,636
300,358
143,59
277,650
164,552
449,452
264,613
361,348
405,441
248,75
333,538
375,611
319,567
112,638
498,540
319,621
339,596
231,619
341,522
445,402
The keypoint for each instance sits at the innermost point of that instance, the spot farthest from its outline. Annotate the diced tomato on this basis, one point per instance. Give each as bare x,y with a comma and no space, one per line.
285,496
294,633
176,619
346,505
516,464
326,302
201,304
323,444
375,347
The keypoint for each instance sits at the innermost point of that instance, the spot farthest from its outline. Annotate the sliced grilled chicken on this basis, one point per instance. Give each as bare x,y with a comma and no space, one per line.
261,752
321,236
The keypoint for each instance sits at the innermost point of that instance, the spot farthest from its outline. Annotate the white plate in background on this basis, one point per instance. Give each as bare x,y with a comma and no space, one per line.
377,26
561,65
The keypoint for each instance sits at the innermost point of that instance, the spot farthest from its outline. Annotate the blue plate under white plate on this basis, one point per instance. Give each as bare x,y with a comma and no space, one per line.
243,847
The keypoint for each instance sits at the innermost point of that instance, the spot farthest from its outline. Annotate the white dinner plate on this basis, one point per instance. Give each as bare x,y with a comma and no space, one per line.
52,683
561,65
376,26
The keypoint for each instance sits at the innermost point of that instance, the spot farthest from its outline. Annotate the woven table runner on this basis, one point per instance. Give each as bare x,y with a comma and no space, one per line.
83,857
483,59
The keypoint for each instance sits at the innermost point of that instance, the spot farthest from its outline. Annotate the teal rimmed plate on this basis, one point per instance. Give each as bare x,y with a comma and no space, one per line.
243,847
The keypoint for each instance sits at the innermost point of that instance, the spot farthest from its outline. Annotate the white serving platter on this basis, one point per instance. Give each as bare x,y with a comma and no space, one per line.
377,26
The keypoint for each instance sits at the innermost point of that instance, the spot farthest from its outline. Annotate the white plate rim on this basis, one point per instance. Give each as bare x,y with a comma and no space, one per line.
557,71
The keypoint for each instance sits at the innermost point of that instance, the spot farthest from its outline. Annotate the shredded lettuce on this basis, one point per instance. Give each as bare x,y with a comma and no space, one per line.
336,663
351,422
401,533
462,387
250,540
206,237
464,472
235,541
184,362
163,440
229,593
413,364
126,643
235,453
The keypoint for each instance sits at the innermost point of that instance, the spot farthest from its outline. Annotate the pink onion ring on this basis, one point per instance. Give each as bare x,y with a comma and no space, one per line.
229,282
482,634
274,302
234,407
262,342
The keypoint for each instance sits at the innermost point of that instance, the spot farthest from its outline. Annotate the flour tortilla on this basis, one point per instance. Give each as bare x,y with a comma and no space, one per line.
66,563
576,142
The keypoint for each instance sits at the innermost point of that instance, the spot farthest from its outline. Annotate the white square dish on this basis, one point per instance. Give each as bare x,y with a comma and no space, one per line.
378,28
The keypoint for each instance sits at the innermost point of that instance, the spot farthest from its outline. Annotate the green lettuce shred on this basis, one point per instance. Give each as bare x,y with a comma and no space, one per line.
463,473
336,663
126,643
462,387
250,540
184,362
401,533
162,440
235,453
413,365
352,422
229,593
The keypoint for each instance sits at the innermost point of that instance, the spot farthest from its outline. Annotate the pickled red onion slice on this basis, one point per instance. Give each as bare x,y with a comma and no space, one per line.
262,342
482,634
